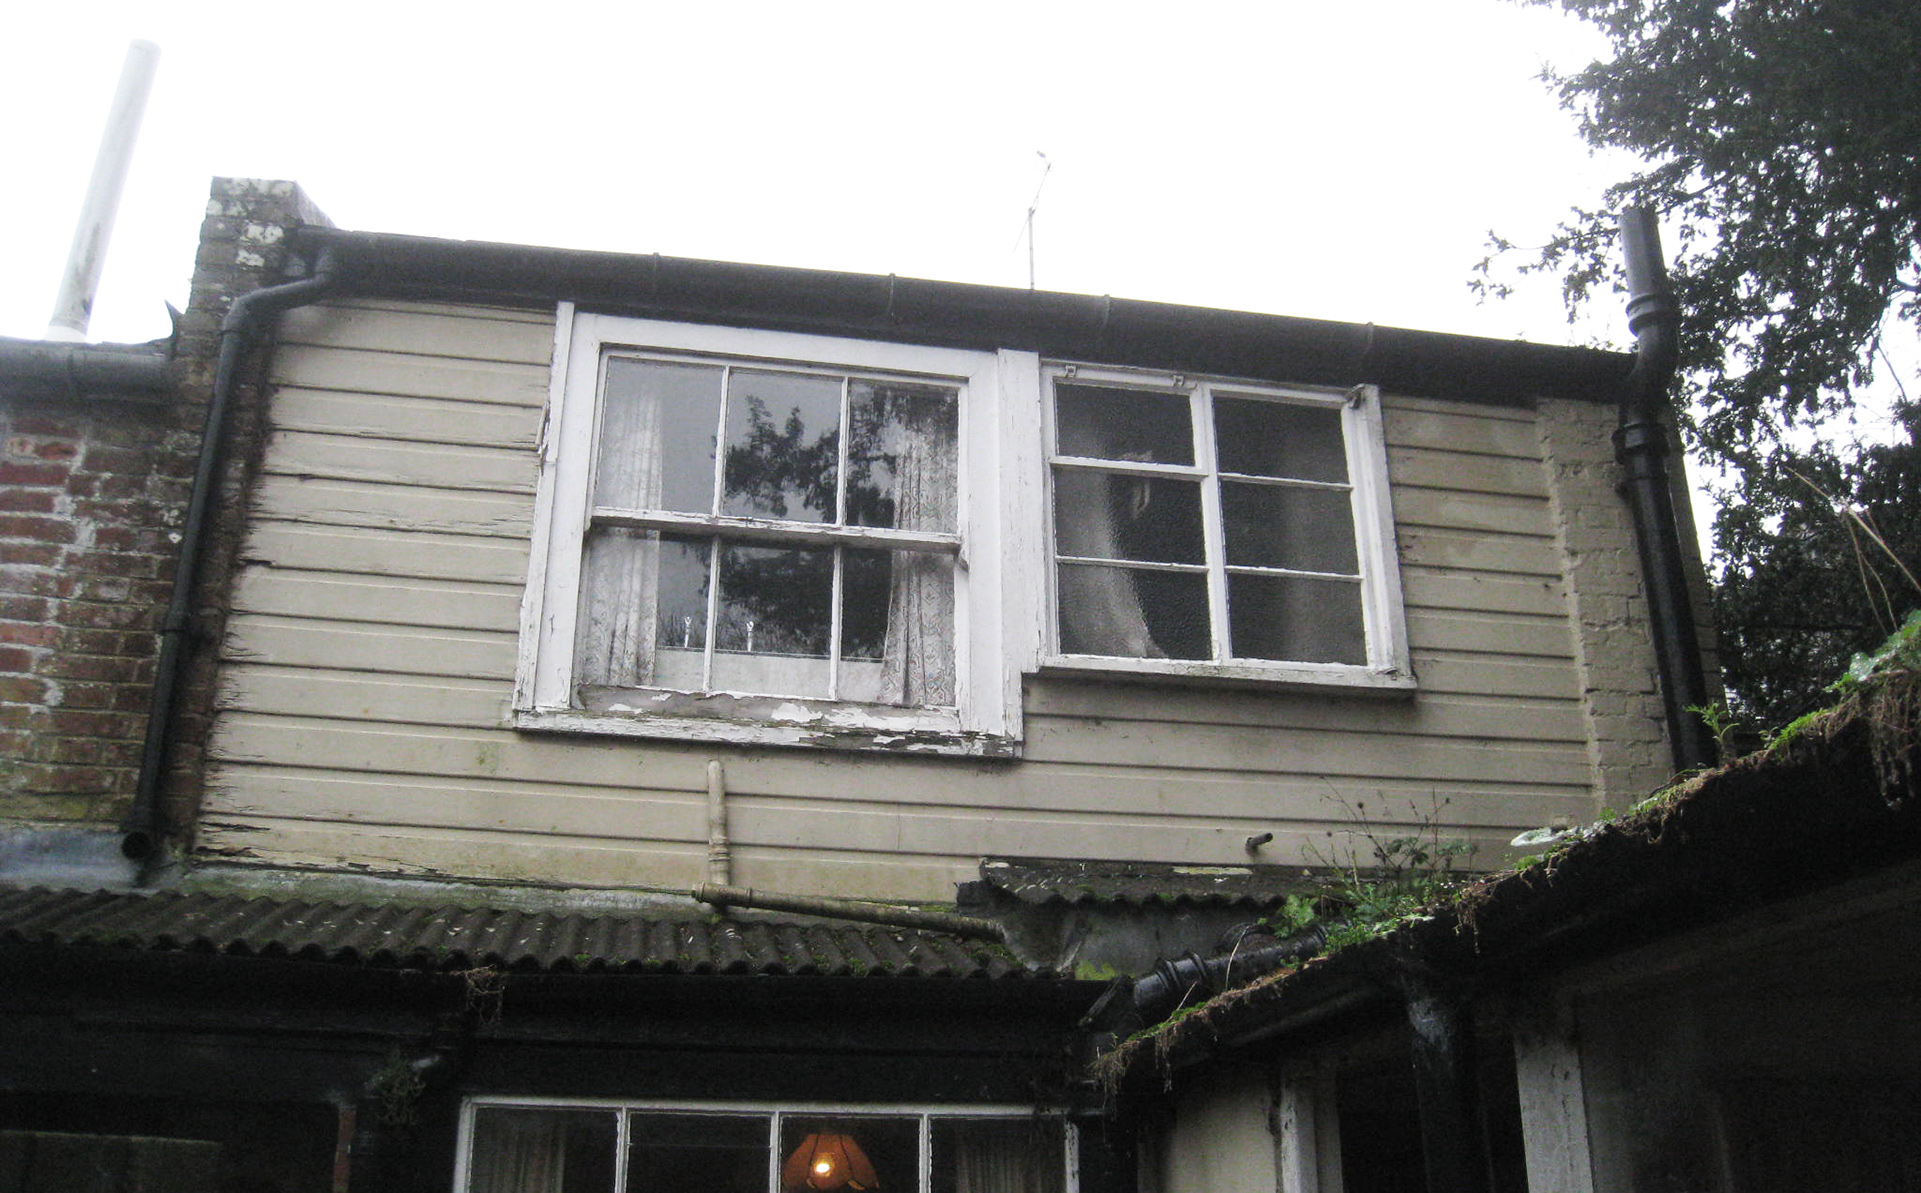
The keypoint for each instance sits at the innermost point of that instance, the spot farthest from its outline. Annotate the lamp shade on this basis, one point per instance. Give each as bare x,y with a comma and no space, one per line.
826,1161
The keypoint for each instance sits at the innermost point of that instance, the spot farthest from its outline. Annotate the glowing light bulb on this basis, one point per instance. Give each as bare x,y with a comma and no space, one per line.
823,1167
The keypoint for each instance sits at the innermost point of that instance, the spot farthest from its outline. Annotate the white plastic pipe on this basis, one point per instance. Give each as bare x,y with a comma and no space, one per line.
73,309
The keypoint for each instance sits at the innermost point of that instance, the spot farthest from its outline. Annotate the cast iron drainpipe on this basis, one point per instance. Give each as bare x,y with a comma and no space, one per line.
143,824
1641,447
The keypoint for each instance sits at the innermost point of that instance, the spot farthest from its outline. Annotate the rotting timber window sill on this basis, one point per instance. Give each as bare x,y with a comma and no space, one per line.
747,720
1273,677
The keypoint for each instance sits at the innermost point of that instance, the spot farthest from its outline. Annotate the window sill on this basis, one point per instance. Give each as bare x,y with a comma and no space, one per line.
1301,677
770,721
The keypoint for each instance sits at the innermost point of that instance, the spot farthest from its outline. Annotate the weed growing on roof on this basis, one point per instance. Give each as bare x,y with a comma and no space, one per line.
485,991
397,1086
1381,881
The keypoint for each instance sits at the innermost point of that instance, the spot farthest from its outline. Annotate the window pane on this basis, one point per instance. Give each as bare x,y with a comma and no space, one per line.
856,1154
1308,530
1122,424
1279,439
897,628
643,608
715,1153
1100,515
901,455
1129,613
657,427
771,636
783,446
542,1151
681,627
1296,620
997,1156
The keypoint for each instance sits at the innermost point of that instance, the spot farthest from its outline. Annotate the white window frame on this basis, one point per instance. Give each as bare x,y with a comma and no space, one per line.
992,639
1387,667
776,1112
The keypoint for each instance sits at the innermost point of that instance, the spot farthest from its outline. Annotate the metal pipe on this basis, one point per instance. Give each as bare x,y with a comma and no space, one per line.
73,307
720,850
1447,1088
1172,981
77,371
144,824
1641,447
967,926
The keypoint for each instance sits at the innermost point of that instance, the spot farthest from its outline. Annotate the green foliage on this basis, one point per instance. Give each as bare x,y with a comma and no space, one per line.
1819,552
1380,881
1781,142
1902,651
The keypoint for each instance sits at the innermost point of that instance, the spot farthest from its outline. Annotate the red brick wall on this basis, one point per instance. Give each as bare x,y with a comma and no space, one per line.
93,489
90,492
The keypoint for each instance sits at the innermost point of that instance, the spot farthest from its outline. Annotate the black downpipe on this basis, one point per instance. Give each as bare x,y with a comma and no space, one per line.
144,824
1446,1084
1174,981
1641,447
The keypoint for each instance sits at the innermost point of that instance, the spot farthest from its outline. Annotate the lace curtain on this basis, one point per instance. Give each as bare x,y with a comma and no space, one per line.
621,572
918,658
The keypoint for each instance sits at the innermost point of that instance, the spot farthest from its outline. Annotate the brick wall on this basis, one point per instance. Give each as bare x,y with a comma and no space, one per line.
90,493
93,489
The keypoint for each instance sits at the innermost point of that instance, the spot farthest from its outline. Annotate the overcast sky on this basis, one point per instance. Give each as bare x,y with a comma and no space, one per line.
1340,160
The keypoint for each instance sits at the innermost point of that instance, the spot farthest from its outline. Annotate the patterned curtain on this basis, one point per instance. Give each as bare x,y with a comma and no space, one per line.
918,656
620,575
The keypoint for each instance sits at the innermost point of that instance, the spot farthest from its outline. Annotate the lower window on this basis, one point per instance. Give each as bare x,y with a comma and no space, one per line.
554,1147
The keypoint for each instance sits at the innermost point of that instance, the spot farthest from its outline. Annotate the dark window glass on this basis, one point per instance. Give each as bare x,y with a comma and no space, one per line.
1123,424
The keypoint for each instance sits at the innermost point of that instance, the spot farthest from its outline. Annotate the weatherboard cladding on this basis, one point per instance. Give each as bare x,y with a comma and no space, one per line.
452,938
1142,884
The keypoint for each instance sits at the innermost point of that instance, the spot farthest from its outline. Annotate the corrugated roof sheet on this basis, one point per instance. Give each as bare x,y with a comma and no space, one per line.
452,938
1040,880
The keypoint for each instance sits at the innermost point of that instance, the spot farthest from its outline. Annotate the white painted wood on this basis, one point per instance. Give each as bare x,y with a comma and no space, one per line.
1458,428
1220,1140
379,505
476,334
1381,604
771,530
999,624
1547,1066
1308,1131
1466,472
456,420
546,697
379,621
431,465
1445,509
1386,665
373,552
368,372
419,735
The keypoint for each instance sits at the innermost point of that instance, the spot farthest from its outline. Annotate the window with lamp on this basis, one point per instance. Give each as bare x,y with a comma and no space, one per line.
1219,529
557,1147
767,537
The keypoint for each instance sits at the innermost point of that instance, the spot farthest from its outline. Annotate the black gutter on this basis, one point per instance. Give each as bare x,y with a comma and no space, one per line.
1641,447
144,823
37,368
1079,327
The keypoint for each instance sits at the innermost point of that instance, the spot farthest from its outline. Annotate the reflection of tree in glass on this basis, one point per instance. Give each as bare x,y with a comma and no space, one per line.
895,430
785,592
774,467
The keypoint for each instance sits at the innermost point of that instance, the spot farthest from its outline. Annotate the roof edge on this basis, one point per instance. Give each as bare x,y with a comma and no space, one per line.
1279,348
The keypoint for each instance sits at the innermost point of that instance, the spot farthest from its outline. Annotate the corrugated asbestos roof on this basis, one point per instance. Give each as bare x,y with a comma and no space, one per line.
1141,884
452,938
